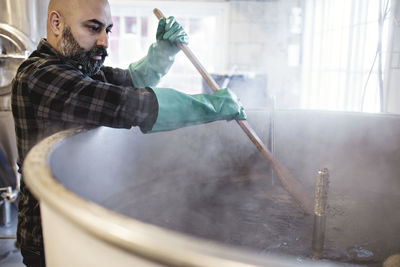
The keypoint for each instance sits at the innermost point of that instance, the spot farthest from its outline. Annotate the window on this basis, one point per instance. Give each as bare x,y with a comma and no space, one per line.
135,28
342,62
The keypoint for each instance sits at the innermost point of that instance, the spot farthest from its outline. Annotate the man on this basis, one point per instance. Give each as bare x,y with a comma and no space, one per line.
64,84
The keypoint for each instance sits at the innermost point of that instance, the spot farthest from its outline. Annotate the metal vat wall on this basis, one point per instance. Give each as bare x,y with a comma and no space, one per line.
22,24
209,183
28,16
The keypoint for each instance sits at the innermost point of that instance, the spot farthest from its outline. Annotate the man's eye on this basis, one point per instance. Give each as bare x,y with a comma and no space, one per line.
108,31
94,28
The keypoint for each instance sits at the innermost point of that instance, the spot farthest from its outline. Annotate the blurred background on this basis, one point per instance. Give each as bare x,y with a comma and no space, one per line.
328,54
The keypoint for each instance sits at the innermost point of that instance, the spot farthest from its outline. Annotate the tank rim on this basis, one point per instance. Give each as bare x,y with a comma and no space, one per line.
142,239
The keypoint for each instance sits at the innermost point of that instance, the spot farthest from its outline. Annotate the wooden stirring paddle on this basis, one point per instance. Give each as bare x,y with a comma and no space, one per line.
290,183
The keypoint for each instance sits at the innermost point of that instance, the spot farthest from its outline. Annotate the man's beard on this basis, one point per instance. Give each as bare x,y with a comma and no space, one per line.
70,49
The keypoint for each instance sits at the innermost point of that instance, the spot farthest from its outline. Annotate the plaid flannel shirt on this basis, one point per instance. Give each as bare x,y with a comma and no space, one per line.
49,94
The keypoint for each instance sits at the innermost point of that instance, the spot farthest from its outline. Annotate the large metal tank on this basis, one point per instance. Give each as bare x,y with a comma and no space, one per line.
26,16
203,196
22,24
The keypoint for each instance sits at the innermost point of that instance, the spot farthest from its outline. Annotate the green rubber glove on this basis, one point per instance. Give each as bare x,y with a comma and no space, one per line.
149,70
177,110
171,31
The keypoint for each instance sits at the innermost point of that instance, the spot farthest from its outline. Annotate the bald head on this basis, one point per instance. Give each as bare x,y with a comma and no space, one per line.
63,7
85,19
76,8
69,7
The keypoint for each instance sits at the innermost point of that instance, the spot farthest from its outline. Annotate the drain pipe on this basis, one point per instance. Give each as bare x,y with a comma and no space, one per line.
321,199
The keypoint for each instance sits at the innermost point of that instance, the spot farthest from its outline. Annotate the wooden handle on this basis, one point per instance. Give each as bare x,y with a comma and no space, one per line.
290,183
158,13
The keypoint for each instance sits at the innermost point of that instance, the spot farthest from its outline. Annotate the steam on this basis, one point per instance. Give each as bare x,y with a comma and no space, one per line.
209,181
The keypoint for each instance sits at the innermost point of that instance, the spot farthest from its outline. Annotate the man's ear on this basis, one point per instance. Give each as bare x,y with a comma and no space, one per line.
55,20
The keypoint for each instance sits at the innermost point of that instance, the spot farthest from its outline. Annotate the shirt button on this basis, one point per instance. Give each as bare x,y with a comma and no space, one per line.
80,67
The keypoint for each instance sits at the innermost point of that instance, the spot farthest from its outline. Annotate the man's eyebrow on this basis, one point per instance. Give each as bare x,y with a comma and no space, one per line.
99,23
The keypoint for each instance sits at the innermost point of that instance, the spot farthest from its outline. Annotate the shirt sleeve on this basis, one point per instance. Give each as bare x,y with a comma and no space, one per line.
117,76
60,92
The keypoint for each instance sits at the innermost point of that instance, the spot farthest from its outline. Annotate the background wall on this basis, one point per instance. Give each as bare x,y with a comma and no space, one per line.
264,38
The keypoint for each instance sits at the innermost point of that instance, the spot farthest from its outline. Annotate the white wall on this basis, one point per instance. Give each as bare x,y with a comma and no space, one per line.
260,35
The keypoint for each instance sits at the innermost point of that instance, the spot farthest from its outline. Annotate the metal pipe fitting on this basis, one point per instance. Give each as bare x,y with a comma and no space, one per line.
6,210
320,203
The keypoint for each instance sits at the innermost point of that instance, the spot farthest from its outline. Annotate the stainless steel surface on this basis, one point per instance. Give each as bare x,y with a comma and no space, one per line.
27,16
5,100
321,192
321,200
8,69
22,25
13,41
10,256
8,144
170,181
14,46
6,206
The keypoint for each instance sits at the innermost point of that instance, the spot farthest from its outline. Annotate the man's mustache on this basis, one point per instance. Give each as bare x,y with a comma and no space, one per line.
98,50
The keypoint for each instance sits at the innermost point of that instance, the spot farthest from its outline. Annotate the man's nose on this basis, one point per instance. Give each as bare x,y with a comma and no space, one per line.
103,39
